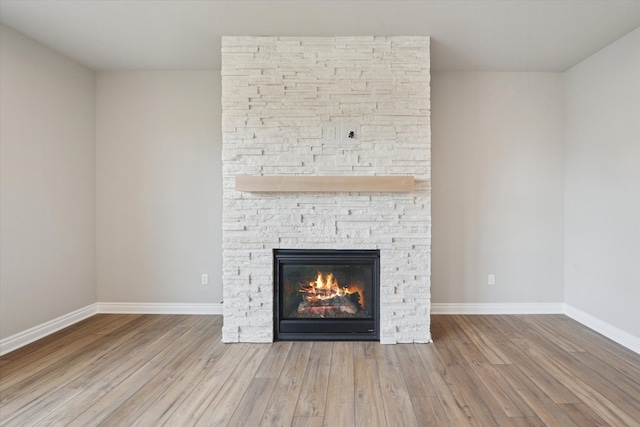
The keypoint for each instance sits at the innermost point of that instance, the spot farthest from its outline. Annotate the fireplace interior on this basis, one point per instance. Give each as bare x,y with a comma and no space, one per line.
326,294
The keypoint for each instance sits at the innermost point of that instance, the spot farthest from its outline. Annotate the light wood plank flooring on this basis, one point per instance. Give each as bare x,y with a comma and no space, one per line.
153,370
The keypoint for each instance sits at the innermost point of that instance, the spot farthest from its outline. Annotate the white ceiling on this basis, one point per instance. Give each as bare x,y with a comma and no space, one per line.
503,35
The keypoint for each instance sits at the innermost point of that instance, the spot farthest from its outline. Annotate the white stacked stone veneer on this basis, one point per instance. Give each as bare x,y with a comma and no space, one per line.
278,94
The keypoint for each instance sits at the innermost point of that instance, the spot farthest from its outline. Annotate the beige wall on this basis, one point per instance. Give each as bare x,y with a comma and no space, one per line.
602,181
159,191
497,187
47,178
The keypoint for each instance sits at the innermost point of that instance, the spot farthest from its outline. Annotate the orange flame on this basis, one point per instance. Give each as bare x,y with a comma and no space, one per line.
327,287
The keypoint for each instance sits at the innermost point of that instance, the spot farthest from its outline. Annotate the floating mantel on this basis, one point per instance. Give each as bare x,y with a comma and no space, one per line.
291,184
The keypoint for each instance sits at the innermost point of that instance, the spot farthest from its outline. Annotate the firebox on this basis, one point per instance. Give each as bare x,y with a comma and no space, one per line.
326,294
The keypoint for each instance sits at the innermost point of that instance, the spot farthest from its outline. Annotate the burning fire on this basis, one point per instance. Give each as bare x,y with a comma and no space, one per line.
326,288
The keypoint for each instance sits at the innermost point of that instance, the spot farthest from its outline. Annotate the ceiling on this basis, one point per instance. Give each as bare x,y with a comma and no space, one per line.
503,35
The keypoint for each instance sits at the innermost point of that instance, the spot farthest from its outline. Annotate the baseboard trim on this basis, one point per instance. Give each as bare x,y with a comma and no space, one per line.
21,339
613,333
497,308
158,308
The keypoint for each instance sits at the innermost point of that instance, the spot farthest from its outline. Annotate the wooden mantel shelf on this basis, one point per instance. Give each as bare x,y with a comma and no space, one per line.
334,184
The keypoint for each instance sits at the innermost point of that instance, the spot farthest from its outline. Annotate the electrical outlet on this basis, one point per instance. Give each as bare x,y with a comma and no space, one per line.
491,279
204,279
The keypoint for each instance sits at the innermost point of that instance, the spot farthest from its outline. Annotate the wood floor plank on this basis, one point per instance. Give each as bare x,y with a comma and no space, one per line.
480,340
506,396
56,340
340,400
545,408
462,345
54,354
192,406
446,353
503,325
483,402
250,409
578,335
366,350
100,411
457,410
429,412
280,409
523,352
188,348
313,393
369,407
547,374
484,405
222,407
510,401
600,395
117,323
51,340
57,382
26,381
551,333
594,338
499,333
582,414
427,407
398,407
307,422
136,358
588,386
275,359
528,422
416,376
173,370
621,380
171,397
37,408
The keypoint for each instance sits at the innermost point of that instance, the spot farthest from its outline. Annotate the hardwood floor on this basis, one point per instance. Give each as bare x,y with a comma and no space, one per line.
152,370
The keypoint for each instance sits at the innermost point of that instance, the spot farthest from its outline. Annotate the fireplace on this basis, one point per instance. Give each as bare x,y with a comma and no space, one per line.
326,294
285,104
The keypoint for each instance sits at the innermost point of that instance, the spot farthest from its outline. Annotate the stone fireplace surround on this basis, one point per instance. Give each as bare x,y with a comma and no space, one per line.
281,98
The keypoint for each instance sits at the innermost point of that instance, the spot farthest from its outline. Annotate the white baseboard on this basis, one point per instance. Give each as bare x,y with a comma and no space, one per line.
613,333
21,339
158,308
497,308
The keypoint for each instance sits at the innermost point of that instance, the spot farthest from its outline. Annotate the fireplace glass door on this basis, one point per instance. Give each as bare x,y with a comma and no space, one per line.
326,294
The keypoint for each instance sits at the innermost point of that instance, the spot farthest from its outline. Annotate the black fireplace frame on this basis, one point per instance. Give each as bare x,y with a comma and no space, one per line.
325,329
